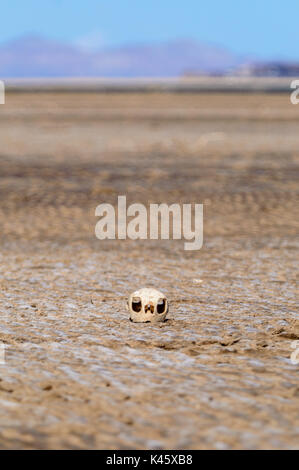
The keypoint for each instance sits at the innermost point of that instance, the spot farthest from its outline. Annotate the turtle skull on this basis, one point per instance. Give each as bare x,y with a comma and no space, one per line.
147,305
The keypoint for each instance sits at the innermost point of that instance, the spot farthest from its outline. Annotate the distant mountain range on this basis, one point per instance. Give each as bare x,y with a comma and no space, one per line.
33,56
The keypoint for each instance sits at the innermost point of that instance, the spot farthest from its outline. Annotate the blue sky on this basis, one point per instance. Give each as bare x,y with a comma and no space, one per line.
264,28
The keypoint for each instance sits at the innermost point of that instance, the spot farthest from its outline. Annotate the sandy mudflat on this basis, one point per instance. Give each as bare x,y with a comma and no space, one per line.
218,374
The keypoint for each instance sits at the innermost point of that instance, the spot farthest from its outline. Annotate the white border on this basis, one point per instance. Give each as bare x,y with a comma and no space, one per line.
2,92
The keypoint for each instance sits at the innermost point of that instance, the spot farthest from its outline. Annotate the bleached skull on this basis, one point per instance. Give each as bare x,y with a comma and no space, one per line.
147,305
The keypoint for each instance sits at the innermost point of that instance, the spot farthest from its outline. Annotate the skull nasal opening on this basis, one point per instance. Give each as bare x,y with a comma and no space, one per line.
136,304
149,307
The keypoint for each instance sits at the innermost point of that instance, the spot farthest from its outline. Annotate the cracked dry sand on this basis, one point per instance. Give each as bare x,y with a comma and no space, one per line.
218,374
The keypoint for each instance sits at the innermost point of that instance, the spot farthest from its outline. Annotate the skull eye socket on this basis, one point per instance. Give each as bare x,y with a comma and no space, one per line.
161,305
136,304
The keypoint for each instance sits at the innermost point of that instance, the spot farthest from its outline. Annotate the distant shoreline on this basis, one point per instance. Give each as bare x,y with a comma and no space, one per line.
145,85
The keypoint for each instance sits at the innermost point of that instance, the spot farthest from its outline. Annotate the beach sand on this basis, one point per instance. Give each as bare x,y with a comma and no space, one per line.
217,374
